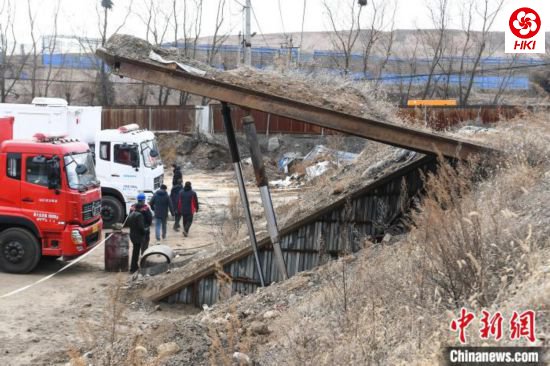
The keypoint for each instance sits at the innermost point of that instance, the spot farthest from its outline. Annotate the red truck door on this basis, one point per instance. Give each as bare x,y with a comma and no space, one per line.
10,199
37,200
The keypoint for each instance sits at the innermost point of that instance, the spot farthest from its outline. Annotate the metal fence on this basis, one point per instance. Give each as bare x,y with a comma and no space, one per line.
266,123
154,118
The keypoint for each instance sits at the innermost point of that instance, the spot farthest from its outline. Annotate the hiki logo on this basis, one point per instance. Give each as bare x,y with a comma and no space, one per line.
524,34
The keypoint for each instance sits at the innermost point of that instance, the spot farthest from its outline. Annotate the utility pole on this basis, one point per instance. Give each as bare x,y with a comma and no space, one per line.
247,35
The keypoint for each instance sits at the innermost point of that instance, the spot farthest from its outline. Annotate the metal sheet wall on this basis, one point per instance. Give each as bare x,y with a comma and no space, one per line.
154,118
342,229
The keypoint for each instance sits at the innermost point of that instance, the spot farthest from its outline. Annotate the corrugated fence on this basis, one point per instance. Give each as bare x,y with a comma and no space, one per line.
154,118
183,118
336,229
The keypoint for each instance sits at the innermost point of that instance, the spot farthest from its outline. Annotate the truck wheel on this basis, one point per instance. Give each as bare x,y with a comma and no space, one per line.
20,251
111,211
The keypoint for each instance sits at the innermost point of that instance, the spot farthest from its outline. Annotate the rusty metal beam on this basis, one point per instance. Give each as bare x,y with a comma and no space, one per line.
385,132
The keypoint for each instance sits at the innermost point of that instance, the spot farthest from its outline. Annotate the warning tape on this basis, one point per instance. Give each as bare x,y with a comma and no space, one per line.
43,279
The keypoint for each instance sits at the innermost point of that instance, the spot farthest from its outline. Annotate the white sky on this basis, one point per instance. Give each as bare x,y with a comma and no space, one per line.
79,16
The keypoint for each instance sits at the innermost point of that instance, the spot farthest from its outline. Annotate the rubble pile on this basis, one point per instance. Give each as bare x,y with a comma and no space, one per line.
331,93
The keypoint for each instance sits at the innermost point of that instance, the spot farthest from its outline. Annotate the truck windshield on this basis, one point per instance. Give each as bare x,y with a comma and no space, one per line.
151,155
80,170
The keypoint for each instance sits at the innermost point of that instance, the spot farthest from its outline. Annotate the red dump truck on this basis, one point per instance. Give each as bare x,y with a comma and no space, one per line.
50,199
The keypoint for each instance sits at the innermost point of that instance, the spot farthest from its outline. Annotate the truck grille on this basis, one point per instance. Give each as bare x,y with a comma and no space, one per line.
158,181
91,210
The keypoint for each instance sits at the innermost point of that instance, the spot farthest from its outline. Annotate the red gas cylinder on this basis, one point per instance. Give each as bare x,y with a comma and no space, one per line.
116,251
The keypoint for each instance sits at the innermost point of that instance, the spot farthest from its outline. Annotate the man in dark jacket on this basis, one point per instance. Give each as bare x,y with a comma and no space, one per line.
174,194
177,175
138,230
144,209
188,204
161,204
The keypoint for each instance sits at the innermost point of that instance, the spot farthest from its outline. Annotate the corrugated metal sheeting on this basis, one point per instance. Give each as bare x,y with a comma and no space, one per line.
264,122
435,117
342,229
154,118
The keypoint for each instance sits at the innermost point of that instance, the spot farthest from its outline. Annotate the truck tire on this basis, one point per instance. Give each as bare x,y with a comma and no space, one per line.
20,251
112,211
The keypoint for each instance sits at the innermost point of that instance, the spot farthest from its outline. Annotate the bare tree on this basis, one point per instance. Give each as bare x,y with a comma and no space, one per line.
439,16
51,47
344,38
11,64
406,83
191,25
34,64
157,22
388,46
506,79
488,12
105,89
372,35
218,38
467,19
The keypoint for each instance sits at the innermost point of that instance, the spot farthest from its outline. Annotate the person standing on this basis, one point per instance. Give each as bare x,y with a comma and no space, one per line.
136,221
176,175
161,204
174,194
144,209
188,205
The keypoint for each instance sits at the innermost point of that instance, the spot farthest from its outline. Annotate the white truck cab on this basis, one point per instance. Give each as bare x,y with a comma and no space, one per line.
127,162
127,159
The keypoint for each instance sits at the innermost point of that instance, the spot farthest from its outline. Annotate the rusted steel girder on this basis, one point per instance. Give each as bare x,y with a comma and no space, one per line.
385,132
263,184
234,149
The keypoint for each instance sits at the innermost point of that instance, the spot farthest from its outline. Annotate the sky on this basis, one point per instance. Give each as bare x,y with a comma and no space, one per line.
271,16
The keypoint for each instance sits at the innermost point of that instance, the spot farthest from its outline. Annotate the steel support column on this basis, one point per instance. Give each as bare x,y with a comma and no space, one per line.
234,149
263,184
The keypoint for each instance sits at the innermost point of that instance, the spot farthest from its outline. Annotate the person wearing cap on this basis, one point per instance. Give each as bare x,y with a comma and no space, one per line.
188,205
137,221
142,207
161,204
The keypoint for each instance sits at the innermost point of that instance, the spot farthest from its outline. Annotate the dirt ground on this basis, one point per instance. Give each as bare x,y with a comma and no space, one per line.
39,325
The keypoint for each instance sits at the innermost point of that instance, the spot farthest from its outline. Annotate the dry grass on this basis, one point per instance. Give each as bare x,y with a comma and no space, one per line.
476,236
226,228
105,336
228,340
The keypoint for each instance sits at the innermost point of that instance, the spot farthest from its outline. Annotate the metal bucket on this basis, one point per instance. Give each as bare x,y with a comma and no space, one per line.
116,251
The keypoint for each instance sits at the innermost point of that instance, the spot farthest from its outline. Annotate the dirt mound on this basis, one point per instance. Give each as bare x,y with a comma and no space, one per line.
193,153
329,92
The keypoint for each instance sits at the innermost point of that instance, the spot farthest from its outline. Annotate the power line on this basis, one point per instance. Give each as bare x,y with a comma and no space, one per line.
303,22
259,27
282,21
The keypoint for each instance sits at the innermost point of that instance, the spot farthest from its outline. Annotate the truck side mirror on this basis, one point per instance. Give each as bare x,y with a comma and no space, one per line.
154,153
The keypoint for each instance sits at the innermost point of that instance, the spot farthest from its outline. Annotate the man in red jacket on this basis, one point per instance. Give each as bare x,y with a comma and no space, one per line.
188,204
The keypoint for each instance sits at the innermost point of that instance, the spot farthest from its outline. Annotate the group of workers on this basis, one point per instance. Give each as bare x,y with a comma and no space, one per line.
182,204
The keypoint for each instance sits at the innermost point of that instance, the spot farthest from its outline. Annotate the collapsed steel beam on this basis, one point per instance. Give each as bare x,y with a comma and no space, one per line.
385,132
234,150
263,184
